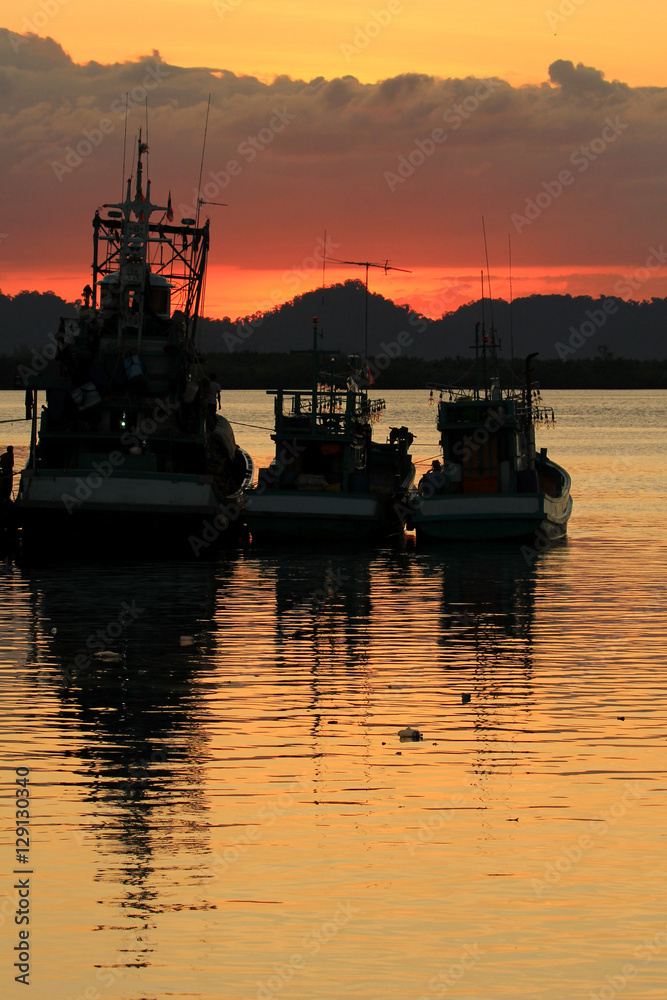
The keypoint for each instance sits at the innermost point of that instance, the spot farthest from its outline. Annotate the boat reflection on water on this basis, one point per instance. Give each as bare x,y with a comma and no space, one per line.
488,598
240,714
487,638
323,597
126,654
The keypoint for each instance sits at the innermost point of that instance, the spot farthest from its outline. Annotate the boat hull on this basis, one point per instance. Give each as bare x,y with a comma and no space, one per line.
301,516
82,515
470,517
437,521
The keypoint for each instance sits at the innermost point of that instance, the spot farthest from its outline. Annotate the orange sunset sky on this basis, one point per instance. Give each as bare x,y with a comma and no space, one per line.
394,126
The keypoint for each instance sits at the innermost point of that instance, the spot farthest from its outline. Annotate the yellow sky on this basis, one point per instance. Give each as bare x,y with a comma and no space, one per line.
515,40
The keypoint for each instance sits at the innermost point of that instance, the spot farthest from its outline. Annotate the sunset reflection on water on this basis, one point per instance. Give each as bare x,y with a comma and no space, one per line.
235,815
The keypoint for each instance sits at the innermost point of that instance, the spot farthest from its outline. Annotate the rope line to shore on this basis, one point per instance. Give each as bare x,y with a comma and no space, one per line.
239,423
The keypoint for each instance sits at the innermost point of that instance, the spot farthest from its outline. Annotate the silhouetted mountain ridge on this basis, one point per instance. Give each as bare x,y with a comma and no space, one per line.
557,326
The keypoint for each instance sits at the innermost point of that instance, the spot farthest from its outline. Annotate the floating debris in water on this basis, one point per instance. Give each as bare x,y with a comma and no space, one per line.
410,734
187,640
107,655
621,718
465,698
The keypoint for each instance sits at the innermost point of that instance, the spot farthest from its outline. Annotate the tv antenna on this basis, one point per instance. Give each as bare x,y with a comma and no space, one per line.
386,267
200,202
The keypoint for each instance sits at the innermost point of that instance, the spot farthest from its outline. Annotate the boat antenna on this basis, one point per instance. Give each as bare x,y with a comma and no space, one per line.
324,259
201,165
324,273
481,274
122,183
488,277
484,338
134,153
147,175
367,263
477,359
509,241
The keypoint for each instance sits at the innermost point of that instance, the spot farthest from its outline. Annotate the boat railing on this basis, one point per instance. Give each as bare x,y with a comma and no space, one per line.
543,415
331,406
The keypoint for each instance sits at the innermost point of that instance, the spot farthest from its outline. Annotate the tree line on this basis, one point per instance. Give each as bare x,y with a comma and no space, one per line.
274,370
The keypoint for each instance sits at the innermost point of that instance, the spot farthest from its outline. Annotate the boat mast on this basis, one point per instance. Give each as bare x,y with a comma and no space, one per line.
132,253
367,263
494,344
509,241
201,165
484,338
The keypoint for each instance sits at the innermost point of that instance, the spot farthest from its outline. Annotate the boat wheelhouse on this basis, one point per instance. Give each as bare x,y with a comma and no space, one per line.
329,479
127,455
491,482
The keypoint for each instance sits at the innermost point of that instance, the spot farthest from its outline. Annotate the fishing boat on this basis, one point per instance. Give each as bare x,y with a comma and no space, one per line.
329,480
491,483
128,455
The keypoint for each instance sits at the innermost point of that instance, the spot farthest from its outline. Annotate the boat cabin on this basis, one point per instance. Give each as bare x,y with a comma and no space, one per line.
488,444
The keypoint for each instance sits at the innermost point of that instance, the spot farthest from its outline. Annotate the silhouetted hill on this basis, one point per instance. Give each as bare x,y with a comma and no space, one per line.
340,310
557,326
27,318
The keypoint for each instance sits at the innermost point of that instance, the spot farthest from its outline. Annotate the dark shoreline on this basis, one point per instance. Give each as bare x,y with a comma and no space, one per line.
258,370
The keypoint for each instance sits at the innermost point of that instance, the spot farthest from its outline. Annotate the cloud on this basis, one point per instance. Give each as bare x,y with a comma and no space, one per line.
292,157
582,81
30,52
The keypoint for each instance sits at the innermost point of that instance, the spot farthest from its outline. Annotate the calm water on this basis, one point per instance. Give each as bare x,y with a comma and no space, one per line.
224,809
